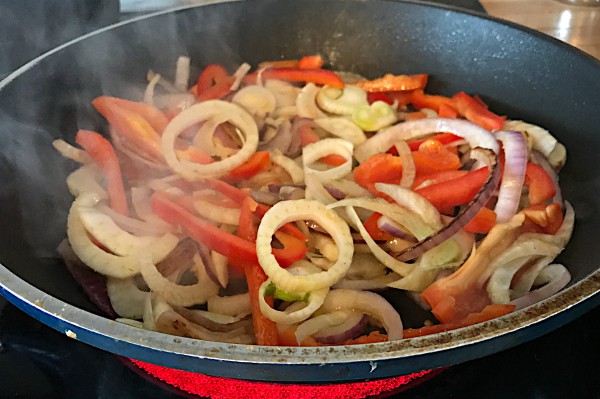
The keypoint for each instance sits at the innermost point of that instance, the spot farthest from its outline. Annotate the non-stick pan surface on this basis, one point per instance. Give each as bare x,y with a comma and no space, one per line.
520,73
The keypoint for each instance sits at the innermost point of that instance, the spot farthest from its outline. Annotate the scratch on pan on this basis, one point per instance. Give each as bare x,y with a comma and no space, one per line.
71,334
373,366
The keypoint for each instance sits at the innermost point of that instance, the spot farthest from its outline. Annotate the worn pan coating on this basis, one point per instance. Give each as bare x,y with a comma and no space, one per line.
517,71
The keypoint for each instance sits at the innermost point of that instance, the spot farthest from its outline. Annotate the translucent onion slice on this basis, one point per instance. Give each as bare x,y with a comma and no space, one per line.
342,101
136,226
175,294
220,268
109,264
149,92
417,280
200,113
513,177
71,152
315,300
498,286
342,128
538,138
412,201
306,103
368,303
257,100
284,92
233,305
289,165
553,277
408,164
288,211
86,179
216,213
320,322
381,142
182,73
239,75
126,298
315,151
368,284
376,116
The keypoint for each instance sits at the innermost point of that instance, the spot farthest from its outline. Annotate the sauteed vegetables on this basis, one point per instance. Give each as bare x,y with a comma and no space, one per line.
273,206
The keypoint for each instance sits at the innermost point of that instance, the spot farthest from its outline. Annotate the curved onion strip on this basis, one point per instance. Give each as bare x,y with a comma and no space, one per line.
365,266
342,128
539,139
220,269
175,294
86,179
498,286
239,75
199,113
541,160
341,101
465,215
282,139
306,103
315,151
136,226
353,327
255,99
285,93
71,152
289,165
216,213
288,211
368,303
555,277
515,161
350,188
204,138
315,300
318,323
140,200
315,190
408,164
182,73
417,280
413,202
385,139
125,297
149,92
233,305
371,284
106,263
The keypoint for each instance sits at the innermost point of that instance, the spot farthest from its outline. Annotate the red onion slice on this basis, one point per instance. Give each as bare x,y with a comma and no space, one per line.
465,215
351,328
515,150
558,277
389,226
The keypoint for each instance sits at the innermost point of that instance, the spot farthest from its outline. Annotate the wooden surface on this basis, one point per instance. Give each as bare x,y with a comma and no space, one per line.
576,25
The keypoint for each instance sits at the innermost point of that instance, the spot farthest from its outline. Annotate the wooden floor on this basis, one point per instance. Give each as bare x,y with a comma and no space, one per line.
576,25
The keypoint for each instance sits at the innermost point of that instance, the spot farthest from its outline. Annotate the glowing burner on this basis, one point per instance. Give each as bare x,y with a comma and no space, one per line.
226,388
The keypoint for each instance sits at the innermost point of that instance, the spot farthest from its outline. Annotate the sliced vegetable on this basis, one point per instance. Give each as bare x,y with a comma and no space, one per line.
373,117
541,186
476,112
391,82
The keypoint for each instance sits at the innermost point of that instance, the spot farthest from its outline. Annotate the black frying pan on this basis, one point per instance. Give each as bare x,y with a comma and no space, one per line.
520,73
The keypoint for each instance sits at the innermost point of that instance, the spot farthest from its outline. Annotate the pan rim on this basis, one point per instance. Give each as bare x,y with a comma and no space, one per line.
89,327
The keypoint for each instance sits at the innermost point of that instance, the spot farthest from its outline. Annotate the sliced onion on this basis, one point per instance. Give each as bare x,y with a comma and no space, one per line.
257,100
417,280
86,179
136,226
317,323
175,294
468,213
239,75
126,298
555,278
218,266
342,128
349,188
284,92
476,136
389,226
369,284
541,160
149,92
306,103
509,196
540,139
315,151
315,300
216,213
351,328
213,321
288,211
233,305
199,113
341,101
282,139
368,303
408,164
365,266
315,190
289,165
182,73
70,152
412,201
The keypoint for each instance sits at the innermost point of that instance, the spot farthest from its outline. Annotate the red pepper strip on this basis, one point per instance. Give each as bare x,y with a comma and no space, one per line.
311,62
437,177
308,136
488,313
413,116
213,83
447,111
103,154
402,97
391,83
317,76
195,155
443,138
246,227
133,127
546,218
483,222
379,96
279,64
265,330
541,185
155,117
373,229
421,100
240,252
473,111
455,192
258,162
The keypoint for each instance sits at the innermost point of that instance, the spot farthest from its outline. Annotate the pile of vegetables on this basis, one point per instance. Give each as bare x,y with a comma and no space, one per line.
272,206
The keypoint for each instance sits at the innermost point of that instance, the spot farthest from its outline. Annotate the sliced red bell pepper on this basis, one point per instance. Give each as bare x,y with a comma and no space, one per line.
373,229
475,112
379,96
433,156
541,185
317,76
265,330
155,117
132,126
443,138
103,154
437,177
447,111
547,218
258,162
239,251
416,115
421,100
455,192
247,227
391,82
195,155
311,62
213,83
488,313
483,222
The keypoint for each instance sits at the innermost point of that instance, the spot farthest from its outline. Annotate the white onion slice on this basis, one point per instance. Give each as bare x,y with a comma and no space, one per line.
125,297
221,270
539,138
285,95
289,165
554,277
71,152
315,151
306,103
175,294
86,179
149,92
233,305
408,164
414,202
315,300
498,286
342,128
182,73
257,100
199,113
216,213
320,322
509,196
136,226
288,211
341,101
239,75
370,284
386,138
368,303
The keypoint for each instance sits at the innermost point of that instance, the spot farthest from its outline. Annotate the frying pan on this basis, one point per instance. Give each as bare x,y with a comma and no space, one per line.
519,72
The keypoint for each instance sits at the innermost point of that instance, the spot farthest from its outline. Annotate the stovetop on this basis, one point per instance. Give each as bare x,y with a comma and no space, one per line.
38,362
